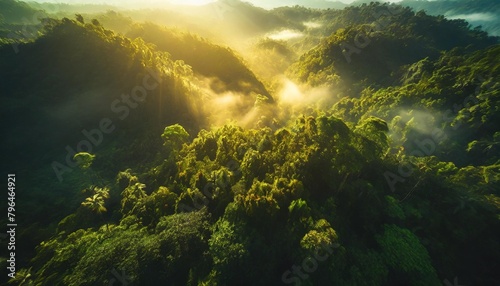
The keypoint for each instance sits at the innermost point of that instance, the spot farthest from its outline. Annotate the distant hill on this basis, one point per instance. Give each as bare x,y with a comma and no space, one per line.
71,79
17,12
19,21
319,4
206,58
369,48
484,13
407,61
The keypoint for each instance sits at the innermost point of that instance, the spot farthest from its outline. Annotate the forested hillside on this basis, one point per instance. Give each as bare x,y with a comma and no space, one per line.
219,64
482,13
299,146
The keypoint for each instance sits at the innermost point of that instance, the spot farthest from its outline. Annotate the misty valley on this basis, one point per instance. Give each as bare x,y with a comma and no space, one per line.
250,143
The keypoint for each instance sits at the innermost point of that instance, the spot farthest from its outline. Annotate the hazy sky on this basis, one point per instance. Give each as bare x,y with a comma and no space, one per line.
261,3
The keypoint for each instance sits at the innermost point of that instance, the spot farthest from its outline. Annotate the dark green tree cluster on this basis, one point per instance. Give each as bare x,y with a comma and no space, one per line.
90,83
450,101
428,87
371,42
244,206
68,80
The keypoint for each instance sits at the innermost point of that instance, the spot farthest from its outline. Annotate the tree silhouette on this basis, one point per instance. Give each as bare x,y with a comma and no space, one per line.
79,18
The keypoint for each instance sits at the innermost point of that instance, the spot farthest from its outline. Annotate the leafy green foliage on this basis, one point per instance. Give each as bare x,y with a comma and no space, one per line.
369,42
96,202
171,248
247,205
190,203
84,159
174,135
404,253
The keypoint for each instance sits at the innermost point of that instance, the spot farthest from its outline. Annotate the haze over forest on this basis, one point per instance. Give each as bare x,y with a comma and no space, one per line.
250,143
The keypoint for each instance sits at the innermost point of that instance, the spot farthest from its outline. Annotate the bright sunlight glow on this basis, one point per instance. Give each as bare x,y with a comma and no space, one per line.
191,2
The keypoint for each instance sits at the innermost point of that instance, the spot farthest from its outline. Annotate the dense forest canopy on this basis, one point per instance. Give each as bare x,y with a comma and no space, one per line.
230,144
